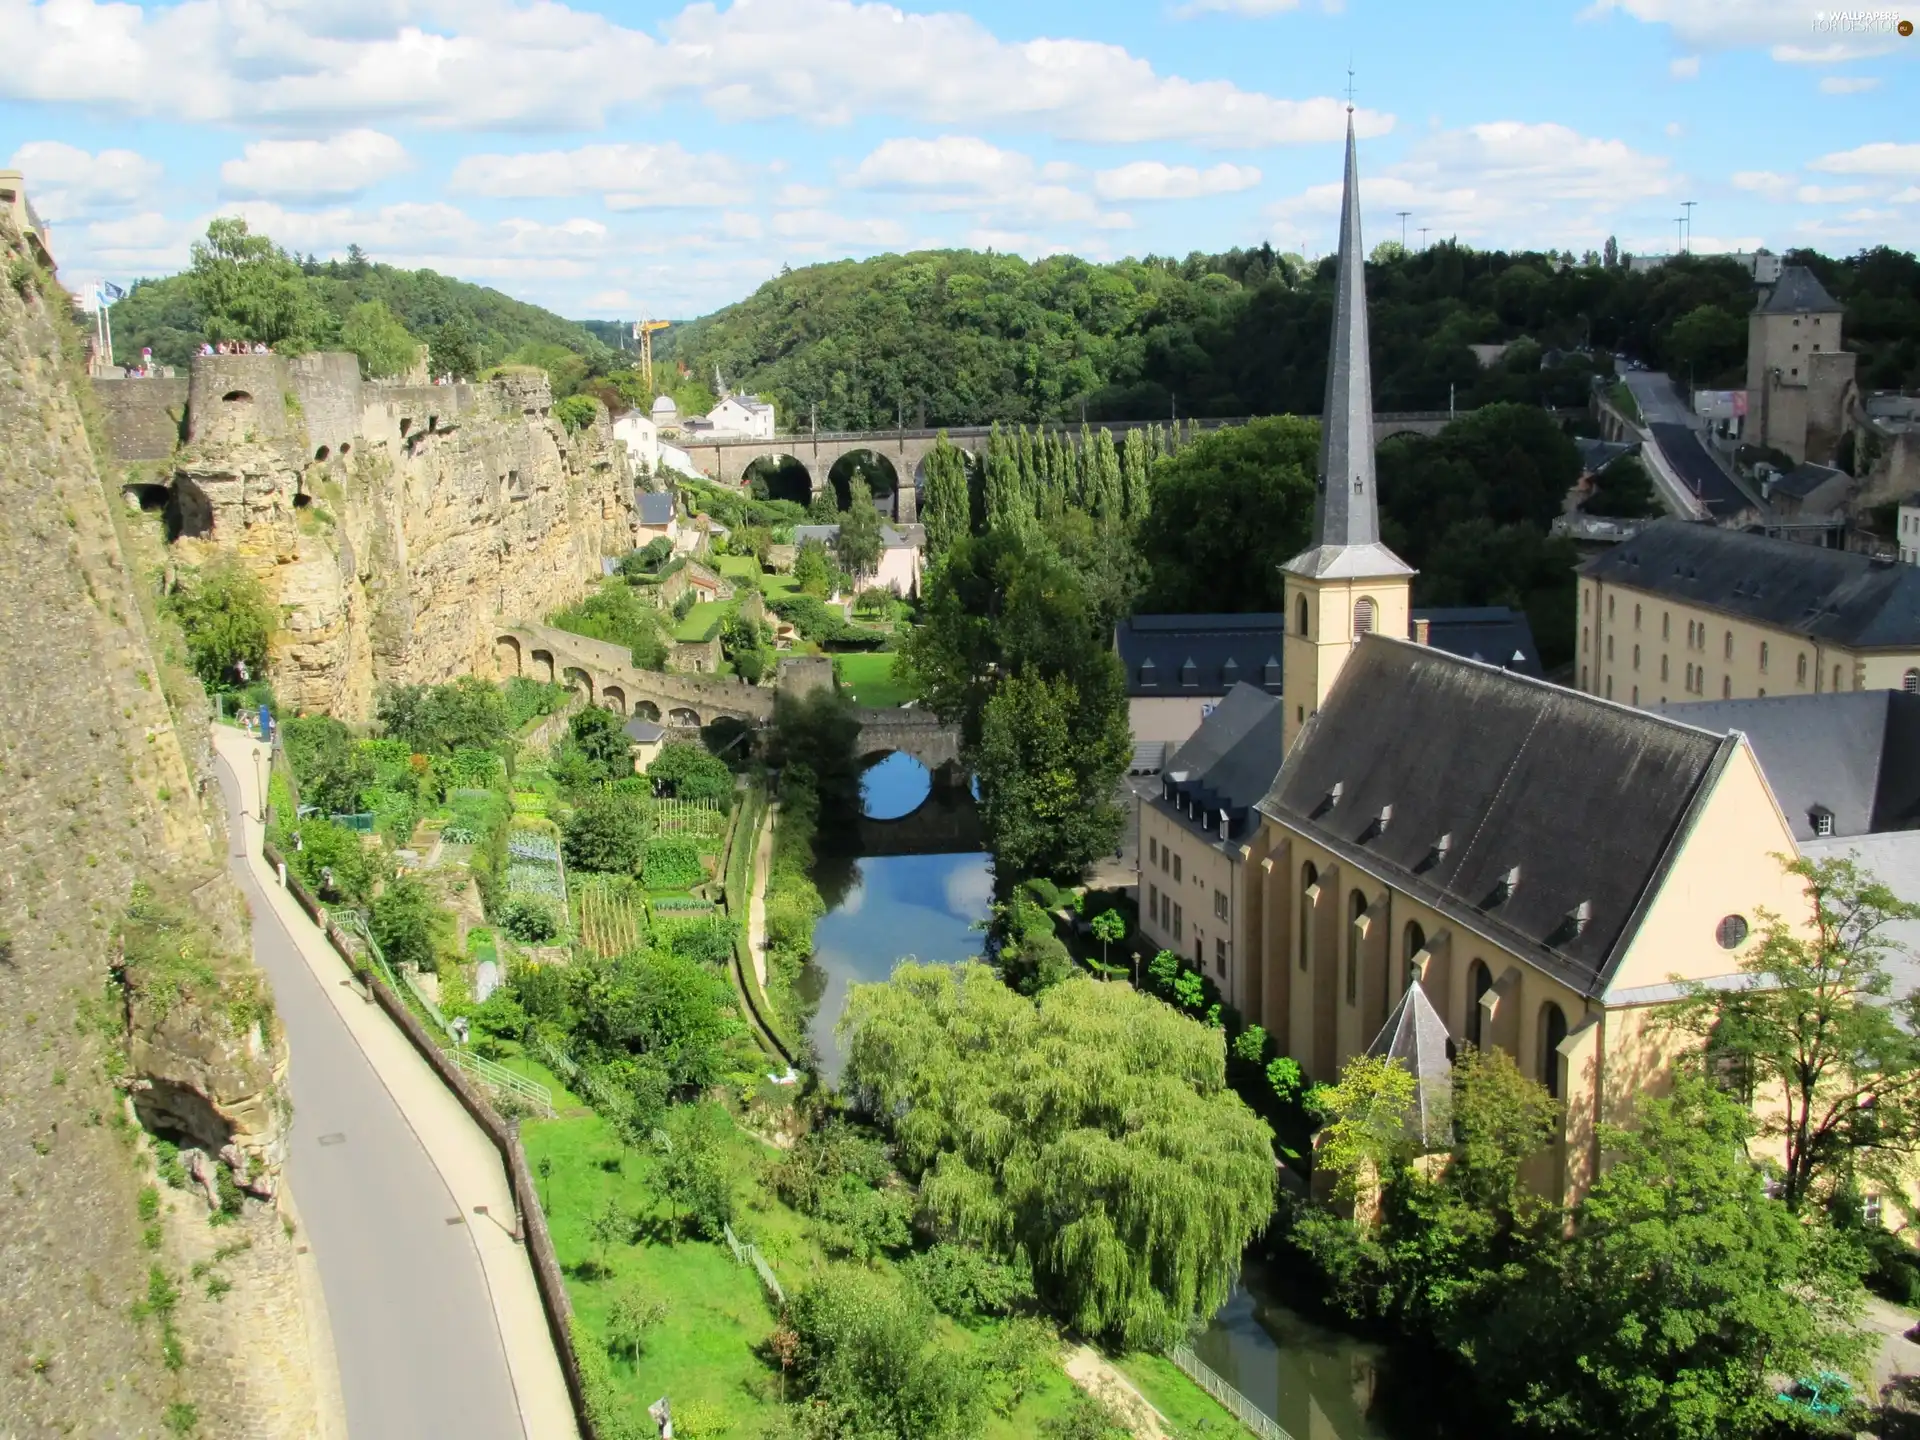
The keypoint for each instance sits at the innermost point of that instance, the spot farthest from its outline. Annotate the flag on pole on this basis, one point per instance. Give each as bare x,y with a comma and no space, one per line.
112,291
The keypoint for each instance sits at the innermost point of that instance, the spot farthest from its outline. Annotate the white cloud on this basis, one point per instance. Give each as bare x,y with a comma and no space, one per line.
803,197
1533,184
522,64
1687,67
1880,158
741,225
953,163
1831,194
1674,129
1764,182
815,231
1253,9
1153,180
1848,84
346,164
68,183
1792,31
629,177
1908,196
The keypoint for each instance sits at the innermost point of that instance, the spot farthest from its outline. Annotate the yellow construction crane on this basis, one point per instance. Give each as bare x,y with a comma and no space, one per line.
643,332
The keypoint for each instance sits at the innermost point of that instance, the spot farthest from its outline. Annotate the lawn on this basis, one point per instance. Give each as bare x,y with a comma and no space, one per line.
741,569
706,1353
702,621
868,677
1192,1411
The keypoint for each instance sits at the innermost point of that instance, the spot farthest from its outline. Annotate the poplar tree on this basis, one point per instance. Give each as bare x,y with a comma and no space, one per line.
1105,491
1006,505
945,509
1136,459
1030,486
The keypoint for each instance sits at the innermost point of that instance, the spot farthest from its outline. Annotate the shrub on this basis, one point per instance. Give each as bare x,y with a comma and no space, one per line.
529,919
868,1344
606,833
672,863
967,1283
330,860
227,621
688,772
404,921
576,412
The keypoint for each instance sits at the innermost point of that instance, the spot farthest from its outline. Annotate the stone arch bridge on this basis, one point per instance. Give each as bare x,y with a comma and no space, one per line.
603,673
905,451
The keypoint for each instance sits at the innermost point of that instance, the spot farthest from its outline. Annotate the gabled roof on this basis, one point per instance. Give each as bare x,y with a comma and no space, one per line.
1586,799
643,731
1855,753
1832,595
1230,762
1494,634
1797,291
910,537
1200,655
1416,1036
655,507
1803,480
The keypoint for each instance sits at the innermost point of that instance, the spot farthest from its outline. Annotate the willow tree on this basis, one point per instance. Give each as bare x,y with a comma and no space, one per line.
1090,1130
944,511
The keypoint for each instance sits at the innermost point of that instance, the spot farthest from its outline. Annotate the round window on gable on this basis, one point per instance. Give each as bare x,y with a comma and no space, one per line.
1731,932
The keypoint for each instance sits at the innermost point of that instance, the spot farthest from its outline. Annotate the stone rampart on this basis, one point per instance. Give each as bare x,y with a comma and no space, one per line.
327,383
239,399
145,418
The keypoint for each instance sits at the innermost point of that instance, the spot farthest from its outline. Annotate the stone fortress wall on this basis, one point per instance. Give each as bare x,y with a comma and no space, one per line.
396,526
146,418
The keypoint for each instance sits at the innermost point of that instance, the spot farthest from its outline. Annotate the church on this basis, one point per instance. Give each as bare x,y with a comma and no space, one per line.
1527,865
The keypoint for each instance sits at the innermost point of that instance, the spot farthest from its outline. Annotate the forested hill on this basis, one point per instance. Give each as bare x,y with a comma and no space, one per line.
171,315
955,337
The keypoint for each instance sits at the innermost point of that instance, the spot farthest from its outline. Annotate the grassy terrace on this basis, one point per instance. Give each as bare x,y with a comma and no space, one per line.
702,622
868,676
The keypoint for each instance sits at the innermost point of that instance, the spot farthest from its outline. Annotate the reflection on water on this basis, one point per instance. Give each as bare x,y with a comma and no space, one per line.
1317,1382
889,907
894,787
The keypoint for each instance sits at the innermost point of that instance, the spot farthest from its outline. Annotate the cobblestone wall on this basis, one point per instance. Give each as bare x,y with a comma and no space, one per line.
144,417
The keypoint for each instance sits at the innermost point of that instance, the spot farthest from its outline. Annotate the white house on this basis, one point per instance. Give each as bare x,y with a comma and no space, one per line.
747,416
642,438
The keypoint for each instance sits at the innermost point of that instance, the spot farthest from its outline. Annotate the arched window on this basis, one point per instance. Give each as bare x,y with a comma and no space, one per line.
1362,617
1416,941
1663,667
1765,655
1636,657
1356,907
1309,877
1728,647
1726,687
1609,607
1666,624
1553,1029
1910,682
1800,671
1636,617
1479,981
1300,615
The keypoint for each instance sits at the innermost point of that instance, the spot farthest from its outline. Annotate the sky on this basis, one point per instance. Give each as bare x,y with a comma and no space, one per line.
612,160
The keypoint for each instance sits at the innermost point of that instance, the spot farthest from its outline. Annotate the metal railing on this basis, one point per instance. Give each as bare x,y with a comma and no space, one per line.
749,1254
497,1077
1236,1404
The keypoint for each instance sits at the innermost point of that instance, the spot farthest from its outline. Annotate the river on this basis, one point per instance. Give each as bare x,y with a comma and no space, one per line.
1317,1382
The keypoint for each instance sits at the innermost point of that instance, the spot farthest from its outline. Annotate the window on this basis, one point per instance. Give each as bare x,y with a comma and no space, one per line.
1176,868
1729,646
1636,657
1822,823
1220,957
1583,639
1609,687
1583,677
1177,918
1356,907
1609,647
1731,932
1726,687
1362,617
1553,1029
1800,671
1153,902
1166,857
1765,656
1636,694
1666,624
1663,667
1300,615
1636,617
1153,850
1609,607
1836,677
1870,1211
1479,981
1219,904
1910,682
1308,878
1415,942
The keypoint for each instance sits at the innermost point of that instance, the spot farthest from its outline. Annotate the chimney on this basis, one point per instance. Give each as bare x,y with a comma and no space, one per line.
1422,628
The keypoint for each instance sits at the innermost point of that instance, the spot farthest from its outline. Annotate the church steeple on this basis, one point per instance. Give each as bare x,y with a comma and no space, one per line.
1347,584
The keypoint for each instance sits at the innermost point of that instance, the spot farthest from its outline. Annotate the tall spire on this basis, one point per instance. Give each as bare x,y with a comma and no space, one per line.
1346,514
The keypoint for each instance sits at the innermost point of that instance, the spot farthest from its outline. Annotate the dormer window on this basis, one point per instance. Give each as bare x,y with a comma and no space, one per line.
1580,917
1270,672
1230,673
1821,819
1189,673
1149,675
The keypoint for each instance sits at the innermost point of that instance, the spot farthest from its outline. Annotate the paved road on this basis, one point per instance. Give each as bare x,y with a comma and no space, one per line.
413,1323
1702,473
1659,399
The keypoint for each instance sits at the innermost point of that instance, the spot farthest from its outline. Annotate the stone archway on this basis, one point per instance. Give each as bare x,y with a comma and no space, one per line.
779,477
614,699
506,656
883,480
540,662
681,715
646,710
580,680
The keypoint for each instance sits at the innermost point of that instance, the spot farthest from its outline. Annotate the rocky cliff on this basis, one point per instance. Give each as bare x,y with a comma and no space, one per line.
100,800
394,525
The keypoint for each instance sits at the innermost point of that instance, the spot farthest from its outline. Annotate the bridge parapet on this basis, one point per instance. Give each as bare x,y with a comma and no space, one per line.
606,674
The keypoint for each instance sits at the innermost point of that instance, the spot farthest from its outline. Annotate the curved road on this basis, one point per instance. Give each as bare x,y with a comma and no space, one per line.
413,1323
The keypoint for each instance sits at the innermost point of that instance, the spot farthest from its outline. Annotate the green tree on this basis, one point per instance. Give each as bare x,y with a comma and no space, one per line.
606,832
1819,1042
1682,1293
748,644
1050,753
1623,490
819,732
1226,513
632,1315
813,569
1006,502
674,1011
618,614
404,923
384,345
858,544
329,859
227,620
1364,1134
454,349
598,737
1107,498
1136,460
329,764
576,412
944,508
1707,342
464,714
1109,927
247,288
1090,1128
689,771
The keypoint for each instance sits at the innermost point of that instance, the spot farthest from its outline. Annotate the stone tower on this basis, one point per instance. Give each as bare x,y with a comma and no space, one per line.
1347,583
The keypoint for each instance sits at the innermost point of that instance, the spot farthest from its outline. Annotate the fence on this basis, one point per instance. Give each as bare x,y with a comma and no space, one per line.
1236,1404
749,1254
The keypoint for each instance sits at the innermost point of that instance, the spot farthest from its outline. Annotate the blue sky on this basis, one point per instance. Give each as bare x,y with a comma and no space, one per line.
615,159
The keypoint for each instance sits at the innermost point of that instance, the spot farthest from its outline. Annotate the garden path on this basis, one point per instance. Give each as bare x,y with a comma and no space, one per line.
1091,1371
757,906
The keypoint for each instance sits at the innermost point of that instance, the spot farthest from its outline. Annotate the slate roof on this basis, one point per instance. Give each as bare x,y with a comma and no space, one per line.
890,538
1855,753
1416,1036
1832,595
1589,800
1803,480
1797,291
643,731
1229,763
655,507
1596,455
1201,655
1894,859
1491,633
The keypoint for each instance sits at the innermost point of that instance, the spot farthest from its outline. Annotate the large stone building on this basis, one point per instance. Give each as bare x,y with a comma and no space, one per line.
1541,862
1686,611
1800,383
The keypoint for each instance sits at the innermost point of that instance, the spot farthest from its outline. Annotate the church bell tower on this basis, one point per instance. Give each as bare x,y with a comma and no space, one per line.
1347,584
